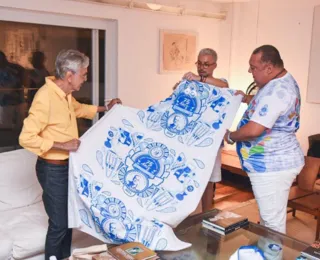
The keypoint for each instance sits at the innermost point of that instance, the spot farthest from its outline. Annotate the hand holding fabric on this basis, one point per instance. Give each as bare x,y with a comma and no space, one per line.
191,76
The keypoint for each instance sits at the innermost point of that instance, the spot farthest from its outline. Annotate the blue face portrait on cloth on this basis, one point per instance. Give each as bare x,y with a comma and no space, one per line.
146,170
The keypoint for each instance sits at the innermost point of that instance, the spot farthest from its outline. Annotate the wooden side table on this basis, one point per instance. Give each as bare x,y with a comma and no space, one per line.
231,162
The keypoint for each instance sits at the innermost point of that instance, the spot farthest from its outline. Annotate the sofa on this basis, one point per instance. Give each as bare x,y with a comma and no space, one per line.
23,220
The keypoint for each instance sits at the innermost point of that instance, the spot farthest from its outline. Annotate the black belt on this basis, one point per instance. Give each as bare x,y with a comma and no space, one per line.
56,162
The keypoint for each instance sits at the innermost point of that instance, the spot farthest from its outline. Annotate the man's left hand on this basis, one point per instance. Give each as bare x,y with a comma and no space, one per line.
227,137
191,76
113,102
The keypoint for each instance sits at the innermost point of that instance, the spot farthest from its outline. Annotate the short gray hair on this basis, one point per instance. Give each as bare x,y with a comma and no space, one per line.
70,60
211,52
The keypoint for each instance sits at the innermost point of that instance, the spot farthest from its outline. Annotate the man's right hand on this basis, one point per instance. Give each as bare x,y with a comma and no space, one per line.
191,76
71,146
246,98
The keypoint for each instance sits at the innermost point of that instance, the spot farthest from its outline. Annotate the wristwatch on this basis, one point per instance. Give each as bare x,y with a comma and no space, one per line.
230,141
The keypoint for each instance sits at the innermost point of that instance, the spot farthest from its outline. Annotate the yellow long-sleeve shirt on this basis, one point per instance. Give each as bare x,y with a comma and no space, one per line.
52,118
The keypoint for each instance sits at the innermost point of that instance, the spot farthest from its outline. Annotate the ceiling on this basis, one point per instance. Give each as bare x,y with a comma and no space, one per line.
202,8
180,2
218,1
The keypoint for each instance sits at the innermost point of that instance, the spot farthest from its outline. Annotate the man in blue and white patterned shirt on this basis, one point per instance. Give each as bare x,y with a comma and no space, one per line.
266,142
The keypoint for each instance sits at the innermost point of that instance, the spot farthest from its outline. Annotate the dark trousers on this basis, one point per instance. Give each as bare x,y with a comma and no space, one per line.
54,182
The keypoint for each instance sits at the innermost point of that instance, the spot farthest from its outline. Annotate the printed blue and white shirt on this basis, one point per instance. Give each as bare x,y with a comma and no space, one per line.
277,107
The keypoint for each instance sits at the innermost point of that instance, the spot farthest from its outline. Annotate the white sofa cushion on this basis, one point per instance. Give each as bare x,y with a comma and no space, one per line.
27,227
23,220
19,186
5,245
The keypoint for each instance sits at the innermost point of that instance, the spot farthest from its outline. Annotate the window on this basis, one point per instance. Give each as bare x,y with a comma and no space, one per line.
27,56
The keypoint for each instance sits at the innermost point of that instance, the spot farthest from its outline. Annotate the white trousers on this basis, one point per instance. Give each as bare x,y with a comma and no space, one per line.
271,191
216,171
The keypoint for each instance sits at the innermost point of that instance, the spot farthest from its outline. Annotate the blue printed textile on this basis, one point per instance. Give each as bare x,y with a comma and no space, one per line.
276,106
138,173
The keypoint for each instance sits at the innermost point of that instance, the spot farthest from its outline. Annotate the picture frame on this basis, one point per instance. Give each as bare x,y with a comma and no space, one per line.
178,50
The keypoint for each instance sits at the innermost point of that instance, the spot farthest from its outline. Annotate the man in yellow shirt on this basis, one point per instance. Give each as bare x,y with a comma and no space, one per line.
51,132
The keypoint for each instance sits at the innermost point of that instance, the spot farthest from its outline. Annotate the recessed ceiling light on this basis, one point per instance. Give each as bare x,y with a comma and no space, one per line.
154,7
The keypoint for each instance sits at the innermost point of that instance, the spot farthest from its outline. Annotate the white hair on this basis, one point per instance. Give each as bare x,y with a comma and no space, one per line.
208,51
70,60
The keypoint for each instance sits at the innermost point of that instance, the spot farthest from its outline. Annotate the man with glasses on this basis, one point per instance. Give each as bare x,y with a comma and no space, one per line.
206,64
51,132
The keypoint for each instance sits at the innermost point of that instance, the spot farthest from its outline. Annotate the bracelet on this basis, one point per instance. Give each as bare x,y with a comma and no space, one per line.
230,141
107,108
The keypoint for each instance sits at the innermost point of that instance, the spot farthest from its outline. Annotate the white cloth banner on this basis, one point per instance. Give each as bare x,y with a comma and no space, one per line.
138,173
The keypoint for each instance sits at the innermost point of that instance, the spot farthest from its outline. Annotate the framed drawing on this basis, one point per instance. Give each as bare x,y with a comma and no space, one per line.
178,50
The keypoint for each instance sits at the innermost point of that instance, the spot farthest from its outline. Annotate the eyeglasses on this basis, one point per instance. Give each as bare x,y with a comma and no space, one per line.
204,65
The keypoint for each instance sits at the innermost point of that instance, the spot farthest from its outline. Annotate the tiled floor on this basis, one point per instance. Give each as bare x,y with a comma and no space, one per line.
234,193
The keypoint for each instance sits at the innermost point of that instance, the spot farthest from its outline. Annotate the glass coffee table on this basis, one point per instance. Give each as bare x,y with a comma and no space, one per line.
207,244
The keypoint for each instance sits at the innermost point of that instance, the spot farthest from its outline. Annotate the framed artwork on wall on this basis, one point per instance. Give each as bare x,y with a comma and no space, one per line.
178,50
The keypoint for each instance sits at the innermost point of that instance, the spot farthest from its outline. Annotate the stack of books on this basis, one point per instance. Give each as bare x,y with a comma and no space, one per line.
133,251
88,253
128,251
312,252
225,222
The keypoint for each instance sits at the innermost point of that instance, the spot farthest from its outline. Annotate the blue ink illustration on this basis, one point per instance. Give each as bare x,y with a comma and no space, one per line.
146,168
112,220
182,173
99,157
84,217
127,123
87,168
200,163
117,224
140,165
180,116
206,142
141,115
112,163
111,134
124,137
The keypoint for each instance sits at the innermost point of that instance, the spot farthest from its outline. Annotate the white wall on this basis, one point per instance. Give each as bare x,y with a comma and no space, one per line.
139,54
286,24
138,43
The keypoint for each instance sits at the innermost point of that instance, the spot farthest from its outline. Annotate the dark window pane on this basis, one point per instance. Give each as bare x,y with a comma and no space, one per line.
102,44
27,56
